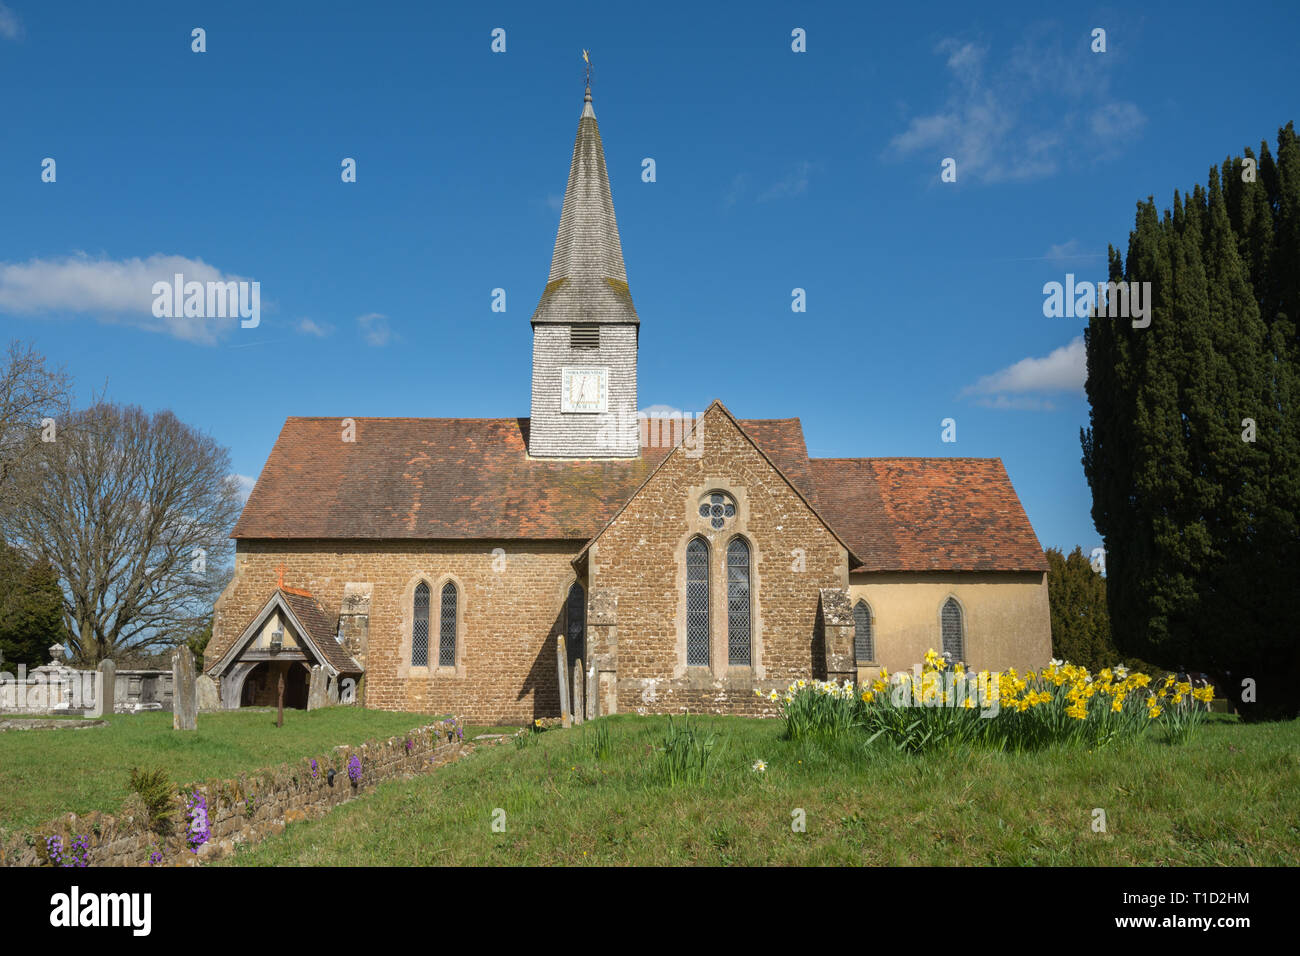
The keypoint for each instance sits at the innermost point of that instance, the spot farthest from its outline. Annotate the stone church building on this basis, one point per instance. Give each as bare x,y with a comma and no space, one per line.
686,561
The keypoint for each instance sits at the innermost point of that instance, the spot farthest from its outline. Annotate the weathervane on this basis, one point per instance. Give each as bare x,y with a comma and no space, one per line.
587,59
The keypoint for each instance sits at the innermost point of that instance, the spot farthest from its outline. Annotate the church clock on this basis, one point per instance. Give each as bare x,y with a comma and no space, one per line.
585,390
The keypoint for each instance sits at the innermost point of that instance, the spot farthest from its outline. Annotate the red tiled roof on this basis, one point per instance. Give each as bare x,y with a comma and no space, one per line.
453,478
927,514
471,478
312,616
781,439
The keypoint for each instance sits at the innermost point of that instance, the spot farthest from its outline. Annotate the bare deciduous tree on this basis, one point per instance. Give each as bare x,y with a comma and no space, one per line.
29,394
134,512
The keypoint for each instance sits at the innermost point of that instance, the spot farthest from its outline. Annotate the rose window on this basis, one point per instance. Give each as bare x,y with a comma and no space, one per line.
718,509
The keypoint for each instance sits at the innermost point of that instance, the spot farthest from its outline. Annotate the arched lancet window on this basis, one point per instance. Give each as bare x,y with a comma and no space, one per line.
738,605
954,643
447,627
420,627
864,638
575,626
697,603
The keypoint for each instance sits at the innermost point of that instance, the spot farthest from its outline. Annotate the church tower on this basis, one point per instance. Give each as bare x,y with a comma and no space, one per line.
585,327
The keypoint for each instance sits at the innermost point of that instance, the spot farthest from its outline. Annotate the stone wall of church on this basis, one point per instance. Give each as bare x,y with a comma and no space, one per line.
510,605
1005,616
641,560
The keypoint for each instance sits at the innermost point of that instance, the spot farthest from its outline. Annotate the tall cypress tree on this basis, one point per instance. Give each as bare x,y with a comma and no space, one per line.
31,610
1193,449
1077,602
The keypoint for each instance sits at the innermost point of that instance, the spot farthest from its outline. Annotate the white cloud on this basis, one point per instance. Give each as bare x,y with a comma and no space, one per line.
1023,403
1017,119
1069,251
964,59
309,327
1016,386
246,483
795,183
374,327
113,291
739,184
1113,126
10,27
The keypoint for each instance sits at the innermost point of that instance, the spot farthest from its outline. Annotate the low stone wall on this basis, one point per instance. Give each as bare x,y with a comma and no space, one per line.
242,810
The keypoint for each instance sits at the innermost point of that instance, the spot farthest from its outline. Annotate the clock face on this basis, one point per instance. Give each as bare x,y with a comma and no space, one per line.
585,390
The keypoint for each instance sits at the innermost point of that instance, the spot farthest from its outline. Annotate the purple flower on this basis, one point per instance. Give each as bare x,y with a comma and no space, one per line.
196,812
315,772
78,852
354,769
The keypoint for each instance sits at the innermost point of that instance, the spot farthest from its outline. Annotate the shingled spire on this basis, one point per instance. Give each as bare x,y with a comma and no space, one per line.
588,282
585,329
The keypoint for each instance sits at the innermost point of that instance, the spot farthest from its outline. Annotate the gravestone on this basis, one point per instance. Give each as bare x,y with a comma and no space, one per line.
578,709
332,691
185,697
316,691
562,664
105,688
206,689
835,621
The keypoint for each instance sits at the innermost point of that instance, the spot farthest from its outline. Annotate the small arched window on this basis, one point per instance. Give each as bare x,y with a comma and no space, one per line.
420,627
447,627
575,625
738,606
954,634
864,638
697,603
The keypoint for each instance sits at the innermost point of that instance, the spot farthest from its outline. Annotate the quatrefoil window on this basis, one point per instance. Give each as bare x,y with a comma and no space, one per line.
718,509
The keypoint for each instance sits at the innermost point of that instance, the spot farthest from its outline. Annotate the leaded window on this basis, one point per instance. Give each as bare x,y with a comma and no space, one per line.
697,603
420,627
447,627
575,637
738,604
864,638
954,644
718,509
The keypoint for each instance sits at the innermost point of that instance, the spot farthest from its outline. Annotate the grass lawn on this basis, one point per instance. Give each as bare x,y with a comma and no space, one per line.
1231,796
44,773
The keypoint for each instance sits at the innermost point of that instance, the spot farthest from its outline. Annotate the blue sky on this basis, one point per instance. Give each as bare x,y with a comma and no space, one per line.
775,170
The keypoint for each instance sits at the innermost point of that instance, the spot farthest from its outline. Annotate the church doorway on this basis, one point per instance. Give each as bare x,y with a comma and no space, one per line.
262,686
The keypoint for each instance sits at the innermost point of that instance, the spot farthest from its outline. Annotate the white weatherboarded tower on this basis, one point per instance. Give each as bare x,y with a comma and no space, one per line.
585,327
